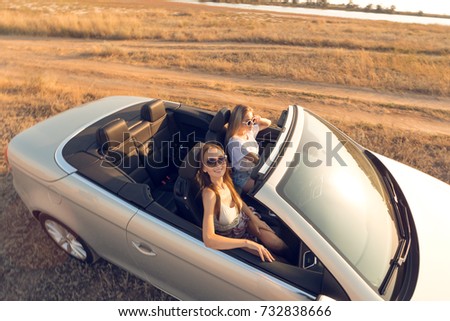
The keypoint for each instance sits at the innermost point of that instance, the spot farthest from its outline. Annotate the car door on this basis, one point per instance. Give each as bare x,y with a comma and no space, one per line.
181,265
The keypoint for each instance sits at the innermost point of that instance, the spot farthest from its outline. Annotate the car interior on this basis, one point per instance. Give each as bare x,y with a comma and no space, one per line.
147,154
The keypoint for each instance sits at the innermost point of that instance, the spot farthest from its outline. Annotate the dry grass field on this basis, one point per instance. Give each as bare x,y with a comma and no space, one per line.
384,84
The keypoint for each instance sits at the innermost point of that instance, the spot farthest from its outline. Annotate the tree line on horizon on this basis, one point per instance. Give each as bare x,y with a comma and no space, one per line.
318,4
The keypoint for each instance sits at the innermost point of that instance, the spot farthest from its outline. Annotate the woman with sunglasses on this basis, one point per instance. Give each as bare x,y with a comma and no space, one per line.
228,223
242,145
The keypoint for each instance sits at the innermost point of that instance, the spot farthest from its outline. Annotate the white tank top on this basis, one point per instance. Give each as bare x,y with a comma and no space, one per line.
228,218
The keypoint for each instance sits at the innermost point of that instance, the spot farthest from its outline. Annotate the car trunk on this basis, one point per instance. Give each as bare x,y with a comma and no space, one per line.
37,149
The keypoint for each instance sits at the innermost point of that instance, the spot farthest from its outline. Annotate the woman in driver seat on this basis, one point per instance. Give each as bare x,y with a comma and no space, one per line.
242,145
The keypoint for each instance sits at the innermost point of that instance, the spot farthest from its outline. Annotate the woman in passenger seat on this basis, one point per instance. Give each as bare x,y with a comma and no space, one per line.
228,223
242,146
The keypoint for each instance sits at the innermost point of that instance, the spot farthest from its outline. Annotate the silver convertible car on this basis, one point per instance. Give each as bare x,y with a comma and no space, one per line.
115,179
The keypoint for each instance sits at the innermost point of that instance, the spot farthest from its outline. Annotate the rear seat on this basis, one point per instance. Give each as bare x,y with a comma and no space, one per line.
154,138
157,151
117,146
120,147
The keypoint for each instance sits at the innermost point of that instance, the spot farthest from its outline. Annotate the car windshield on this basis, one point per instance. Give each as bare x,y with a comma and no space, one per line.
338,191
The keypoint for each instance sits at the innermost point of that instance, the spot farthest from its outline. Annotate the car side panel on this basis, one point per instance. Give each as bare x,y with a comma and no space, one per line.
98,217
33,192
182,266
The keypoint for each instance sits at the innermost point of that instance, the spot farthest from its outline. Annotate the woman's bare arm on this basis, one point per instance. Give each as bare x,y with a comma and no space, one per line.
263,123
218,242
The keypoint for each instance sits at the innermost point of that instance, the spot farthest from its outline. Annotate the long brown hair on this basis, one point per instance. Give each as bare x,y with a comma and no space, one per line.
236,119
205,181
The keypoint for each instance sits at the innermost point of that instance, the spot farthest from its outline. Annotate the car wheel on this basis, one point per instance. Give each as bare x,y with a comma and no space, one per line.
66,239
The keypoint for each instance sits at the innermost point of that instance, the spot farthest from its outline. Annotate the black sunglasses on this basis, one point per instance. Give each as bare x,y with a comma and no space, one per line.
215,161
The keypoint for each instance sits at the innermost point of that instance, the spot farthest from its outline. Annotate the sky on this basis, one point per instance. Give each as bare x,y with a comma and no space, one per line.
427,6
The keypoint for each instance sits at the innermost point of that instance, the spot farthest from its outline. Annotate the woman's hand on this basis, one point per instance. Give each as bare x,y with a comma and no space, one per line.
254,158
256,119
263,123
262,251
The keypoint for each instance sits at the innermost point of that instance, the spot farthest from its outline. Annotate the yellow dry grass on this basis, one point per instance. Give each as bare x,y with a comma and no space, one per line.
26,103
382,55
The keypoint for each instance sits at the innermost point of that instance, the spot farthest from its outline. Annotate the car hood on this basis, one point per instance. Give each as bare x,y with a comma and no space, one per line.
429,202
35,149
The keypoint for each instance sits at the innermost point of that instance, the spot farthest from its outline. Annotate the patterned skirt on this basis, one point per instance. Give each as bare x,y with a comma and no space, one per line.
240,231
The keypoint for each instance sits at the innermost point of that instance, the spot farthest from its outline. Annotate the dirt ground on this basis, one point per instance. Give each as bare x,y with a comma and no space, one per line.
31,268
63,61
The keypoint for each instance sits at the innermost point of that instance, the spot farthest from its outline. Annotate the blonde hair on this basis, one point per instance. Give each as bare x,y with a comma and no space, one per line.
236,118
205,181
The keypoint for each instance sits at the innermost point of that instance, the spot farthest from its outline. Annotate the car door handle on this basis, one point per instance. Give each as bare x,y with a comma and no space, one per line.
143,249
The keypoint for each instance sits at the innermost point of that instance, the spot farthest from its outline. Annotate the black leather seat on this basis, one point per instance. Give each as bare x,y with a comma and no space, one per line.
118,148
218,127
159,156
186,190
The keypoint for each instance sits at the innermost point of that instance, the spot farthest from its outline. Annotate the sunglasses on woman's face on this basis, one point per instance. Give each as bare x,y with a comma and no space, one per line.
215,161
249,122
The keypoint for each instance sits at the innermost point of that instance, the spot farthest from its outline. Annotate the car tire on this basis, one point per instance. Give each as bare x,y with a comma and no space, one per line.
67,240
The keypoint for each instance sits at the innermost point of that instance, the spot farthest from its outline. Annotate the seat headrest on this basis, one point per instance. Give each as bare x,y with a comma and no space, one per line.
220,120
191,163
112,134
153,111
